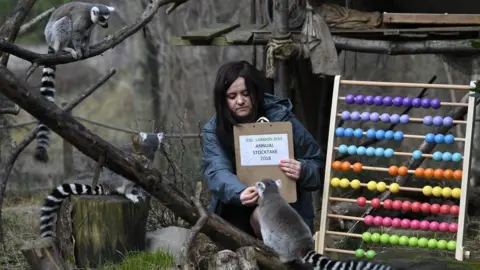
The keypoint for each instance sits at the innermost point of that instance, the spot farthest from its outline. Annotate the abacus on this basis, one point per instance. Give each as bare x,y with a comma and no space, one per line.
333,181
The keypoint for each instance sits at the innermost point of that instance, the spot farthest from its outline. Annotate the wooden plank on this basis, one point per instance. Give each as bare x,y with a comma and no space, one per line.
210,32
388,30
423,18
243,34
216,41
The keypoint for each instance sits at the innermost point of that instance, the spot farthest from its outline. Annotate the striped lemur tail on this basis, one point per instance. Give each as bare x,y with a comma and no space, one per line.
317,261
53,202
47,89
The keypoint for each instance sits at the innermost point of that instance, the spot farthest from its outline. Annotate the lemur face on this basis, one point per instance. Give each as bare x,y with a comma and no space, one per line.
150,143
267,184
100,15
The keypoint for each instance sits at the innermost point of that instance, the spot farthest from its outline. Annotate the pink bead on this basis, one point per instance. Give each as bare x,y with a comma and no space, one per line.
368,220
387,222
378,221
414,224
387,204
435,208
426,208
434,226
416,207
405,223
396,223
361,201
424,225
406,206
376,203
453,227
443,227
397,205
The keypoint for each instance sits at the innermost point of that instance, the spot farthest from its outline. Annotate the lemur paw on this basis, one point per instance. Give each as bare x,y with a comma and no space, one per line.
75,54
133,198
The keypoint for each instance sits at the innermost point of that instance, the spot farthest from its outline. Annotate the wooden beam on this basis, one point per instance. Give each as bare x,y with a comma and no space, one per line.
210,32
444,19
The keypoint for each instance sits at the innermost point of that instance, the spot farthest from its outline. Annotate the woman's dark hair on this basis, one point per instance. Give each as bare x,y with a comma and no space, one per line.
256,84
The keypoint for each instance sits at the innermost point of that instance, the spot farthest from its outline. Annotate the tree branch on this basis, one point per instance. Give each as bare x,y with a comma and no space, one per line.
15,110
97,49
27,26
129,166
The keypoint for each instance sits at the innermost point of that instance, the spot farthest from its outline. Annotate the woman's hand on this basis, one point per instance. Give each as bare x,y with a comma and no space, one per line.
291,167
249,196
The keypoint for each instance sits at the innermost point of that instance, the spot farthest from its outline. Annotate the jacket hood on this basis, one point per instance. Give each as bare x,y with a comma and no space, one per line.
277,109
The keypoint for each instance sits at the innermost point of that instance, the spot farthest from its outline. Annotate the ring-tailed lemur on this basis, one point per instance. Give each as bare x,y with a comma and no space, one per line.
284,230
109,183
69,29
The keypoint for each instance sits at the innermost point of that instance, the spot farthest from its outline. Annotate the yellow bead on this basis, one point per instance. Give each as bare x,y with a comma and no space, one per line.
437,191
381,186
394,187
456,192
427,190
447,192
372,185
355,184
344,183
335,182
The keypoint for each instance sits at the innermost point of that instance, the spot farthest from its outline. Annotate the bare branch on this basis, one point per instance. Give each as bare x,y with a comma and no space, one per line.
27,26
15,110
30,71
171,8
97,49
98,167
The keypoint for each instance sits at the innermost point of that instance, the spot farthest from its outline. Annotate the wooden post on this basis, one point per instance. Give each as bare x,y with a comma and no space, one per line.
67,153
253,20
281,31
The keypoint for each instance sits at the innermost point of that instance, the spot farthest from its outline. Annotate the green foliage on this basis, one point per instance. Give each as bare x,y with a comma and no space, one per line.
476,44
144,261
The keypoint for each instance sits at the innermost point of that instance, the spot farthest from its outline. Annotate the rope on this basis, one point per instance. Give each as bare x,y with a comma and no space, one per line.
281,49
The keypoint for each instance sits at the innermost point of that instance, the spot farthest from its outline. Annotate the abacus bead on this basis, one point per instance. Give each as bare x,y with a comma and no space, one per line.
406,206
430,138
415,224
416,207
361,150
359,100
342,149
426,103
379,134
423,242
374,117
365,116
447,156
396,222
378,221
388,153
437,120
348,132
453,227
361,201
368,220
416,103
449,139
405,223
387,204
398,101
404,119
424,225
435,103
387,221
397,205
387,101
384,238
359,253
427,120
358,133
437,156
355,116
370,151
378,100
443,227
370,254
379,152
439,138
394,239
457,157
407,102
398,135
417,154
371,133
369,100
389,134
349,99
345,115
434,226
385,117
395,118
375,202
425,208
447,121
413,241
340,132
352,150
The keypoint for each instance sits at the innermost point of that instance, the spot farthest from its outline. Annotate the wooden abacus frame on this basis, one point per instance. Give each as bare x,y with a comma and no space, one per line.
460,253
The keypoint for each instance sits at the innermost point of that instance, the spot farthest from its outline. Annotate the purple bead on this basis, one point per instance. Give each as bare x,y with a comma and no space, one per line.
359,100
387,101
369,100
378,100
350,99
365,116
374,116
447,121
345,115
407,102
404,119
355,116
385,117
395,118
416,102
427,120
437,120
398,101
426,103
435,103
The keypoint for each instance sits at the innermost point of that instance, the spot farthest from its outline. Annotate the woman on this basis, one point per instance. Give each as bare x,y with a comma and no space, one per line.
239,96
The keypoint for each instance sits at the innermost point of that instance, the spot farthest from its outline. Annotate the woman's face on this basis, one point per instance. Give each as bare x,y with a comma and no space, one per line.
238,99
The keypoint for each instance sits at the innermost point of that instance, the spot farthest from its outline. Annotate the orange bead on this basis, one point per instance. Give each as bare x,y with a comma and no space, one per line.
419,172
337,165
346,166
457,174
428,173
402,171
438,173
448,174
357,167
393,170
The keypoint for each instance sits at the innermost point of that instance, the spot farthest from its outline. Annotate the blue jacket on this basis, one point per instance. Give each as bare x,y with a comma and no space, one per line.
226,187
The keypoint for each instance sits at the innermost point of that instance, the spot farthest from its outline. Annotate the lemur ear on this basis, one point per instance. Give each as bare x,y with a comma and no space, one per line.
279,183
111,9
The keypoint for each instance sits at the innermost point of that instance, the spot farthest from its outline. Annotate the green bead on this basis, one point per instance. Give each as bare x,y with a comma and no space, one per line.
359,253
375,237
451,245
423,242
413,241
366,236
403,241
385,238
432,243
394,239
442,244
371,254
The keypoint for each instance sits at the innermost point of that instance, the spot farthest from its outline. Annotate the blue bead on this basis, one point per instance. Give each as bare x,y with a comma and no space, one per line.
457,157
398,135
437,156
447,156
342,149
348,132
417,154
358,133
380,134
430,138
449,139
370,151
361,150
389,134
379,152
340,132
388,153
352,150
371,133
439,138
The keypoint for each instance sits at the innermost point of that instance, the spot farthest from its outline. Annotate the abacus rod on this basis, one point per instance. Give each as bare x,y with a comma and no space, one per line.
442,103
458,139
406,154
345,217
345,234
409,85
344,251
420,120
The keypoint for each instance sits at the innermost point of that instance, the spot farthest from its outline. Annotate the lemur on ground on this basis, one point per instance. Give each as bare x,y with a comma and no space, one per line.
68,29
147,144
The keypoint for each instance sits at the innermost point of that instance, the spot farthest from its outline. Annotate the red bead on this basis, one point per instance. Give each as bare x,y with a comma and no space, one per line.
416,207
361,201
454,210
445,209
426,208
376,203
406,206
387,204
435,208
397,205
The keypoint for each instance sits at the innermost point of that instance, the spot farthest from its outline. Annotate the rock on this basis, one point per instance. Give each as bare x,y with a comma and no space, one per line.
224,260
168,239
